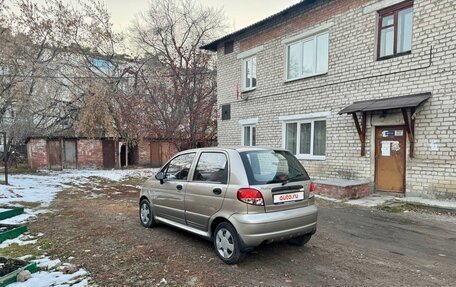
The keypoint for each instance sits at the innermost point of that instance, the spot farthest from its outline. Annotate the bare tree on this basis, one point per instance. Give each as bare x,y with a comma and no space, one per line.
56,62
176,78
62,72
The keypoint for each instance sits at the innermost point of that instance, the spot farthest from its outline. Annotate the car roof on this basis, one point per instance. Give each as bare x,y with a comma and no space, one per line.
236,148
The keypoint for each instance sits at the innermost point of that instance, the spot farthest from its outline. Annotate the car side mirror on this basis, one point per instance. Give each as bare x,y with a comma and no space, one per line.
160,176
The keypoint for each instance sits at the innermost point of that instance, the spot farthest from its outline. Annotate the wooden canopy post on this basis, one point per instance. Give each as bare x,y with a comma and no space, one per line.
410,128
361,131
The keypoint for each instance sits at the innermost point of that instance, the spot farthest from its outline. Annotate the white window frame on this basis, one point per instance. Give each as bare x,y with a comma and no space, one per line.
303,40
247,123
244,71
251,134
304,119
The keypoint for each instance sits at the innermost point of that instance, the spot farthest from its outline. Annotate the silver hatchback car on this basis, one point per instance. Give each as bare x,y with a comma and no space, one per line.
239,198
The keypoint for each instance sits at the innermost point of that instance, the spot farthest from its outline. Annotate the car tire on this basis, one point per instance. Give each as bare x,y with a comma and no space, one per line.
300,241
146,216
227,244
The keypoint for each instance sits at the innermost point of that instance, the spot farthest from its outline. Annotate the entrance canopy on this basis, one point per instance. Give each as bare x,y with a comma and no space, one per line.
403,103
411,101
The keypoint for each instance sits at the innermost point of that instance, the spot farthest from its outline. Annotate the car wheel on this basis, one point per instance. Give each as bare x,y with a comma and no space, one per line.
301,240
226,243
145,214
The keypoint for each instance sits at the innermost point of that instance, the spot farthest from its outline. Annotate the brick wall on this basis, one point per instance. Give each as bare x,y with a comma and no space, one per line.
37,153
352,58
90,153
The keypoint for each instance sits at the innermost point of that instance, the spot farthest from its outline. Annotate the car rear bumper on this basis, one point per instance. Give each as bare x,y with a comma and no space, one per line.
255,229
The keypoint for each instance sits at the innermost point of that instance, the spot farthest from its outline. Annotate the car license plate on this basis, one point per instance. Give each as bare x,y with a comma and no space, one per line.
286,197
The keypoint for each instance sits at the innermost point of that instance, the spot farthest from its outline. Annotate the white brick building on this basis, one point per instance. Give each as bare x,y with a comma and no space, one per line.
290,75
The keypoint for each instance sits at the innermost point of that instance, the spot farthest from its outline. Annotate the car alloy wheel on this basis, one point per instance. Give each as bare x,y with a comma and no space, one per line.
225,243
145,214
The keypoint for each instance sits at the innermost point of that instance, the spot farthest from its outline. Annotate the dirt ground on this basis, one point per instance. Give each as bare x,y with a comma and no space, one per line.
353,247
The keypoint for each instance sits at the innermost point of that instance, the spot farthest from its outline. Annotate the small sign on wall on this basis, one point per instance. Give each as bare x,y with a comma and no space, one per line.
395,133
386,148
395,146
386,134
399,133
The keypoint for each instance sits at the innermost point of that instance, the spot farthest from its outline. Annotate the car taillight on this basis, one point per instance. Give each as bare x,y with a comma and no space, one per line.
250,196
312,187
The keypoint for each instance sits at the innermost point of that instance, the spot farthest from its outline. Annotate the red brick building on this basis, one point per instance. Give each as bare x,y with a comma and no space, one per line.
58,153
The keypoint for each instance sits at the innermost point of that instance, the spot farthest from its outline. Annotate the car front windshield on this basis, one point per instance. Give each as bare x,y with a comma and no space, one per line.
272,166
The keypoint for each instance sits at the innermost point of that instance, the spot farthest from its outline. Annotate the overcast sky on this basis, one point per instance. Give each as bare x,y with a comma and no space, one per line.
240,13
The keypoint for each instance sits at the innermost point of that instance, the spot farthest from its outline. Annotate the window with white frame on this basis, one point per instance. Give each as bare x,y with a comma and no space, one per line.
249,135
306,138
249,73
308,57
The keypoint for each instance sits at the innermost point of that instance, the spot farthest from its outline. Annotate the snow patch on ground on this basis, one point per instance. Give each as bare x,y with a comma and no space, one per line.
21,240
379,199
47,263
327,198
23,218
371,201
42,188
55,279
52,270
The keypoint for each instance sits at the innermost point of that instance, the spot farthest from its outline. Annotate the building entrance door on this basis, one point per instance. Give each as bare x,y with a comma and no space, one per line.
390,147
55,154
69,147
109,153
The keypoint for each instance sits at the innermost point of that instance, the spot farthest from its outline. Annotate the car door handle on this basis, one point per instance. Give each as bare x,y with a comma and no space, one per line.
179,187
217,190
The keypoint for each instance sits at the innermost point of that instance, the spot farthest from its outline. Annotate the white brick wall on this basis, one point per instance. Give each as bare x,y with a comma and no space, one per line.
352,57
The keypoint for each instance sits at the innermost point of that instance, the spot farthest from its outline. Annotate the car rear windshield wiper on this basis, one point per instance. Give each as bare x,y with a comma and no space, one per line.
291,178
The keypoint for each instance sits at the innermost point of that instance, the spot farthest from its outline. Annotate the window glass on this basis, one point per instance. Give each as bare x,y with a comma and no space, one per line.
322,53
253,136
179,167
308,59
247,135
405,27
247,74
387,21
387,42
306,130
269,166
253,80
294,56
250,73
311,140
212,167
319,147
396,29
291,137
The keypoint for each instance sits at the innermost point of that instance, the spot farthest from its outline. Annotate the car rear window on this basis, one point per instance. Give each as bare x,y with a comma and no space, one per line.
272,166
